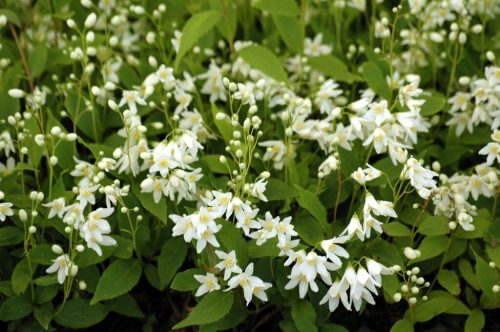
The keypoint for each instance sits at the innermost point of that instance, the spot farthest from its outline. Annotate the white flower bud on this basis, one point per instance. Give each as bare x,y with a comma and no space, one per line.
404,288
82,285
56,249
462,38
415,290
70,23
490,56
492,264
53,160
24,150
23,215
409,253
413,300
68,229
495,288
16,93
452,225
90,20
32,229
478,28
80,248
73,270
397,297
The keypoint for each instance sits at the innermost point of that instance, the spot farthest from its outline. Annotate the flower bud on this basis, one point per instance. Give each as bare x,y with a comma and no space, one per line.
90,20
56,249
16,93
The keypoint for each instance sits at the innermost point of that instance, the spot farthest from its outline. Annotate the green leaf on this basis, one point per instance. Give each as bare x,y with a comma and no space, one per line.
79,314
119,278
431,308
475,321
277,190
15,308
333,67
376,80
309,229
396,228
449,280
402,325
214,165
431,246
38,59
211,308
290,31
433,104
262,59
465,268
21,277
125,305
185,281
279,7
434,225
480,227
304,316
329,327
457,307
486,276
42,254
10,235
227,25
43,314
267,249
232,239
196,27
172,255
311,203
11,17
159,209
350,161
45,280
224,125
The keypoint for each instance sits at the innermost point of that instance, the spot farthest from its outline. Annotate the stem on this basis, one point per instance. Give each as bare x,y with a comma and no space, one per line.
23,57
339,178
442,262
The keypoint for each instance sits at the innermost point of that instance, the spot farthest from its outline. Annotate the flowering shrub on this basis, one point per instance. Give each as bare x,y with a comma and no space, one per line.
303,166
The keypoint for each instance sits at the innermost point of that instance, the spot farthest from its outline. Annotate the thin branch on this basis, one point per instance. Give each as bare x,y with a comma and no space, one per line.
23,57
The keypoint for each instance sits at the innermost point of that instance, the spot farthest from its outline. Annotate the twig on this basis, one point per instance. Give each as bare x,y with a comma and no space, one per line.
23,57
339,177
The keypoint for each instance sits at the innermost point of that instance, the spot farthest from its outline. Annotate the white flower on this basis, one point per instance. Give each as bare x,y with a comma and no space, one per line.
5,210
86,194
249,222
258,189
492,150
354,228
228,263
56,207
184,225
251,284
221,201
154,185
378,112
64,266
420,177
208,282
336,293
95,228
333,250
8,168
313,47
131,98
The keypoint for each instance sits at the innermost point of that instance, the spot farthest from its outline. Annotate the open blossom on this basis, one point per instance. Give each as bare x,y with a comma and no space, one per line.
306,269
63,266
5,210
56,207
209,283
94,230
228,263
420,177
333,249
251,284
361,176
132,98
